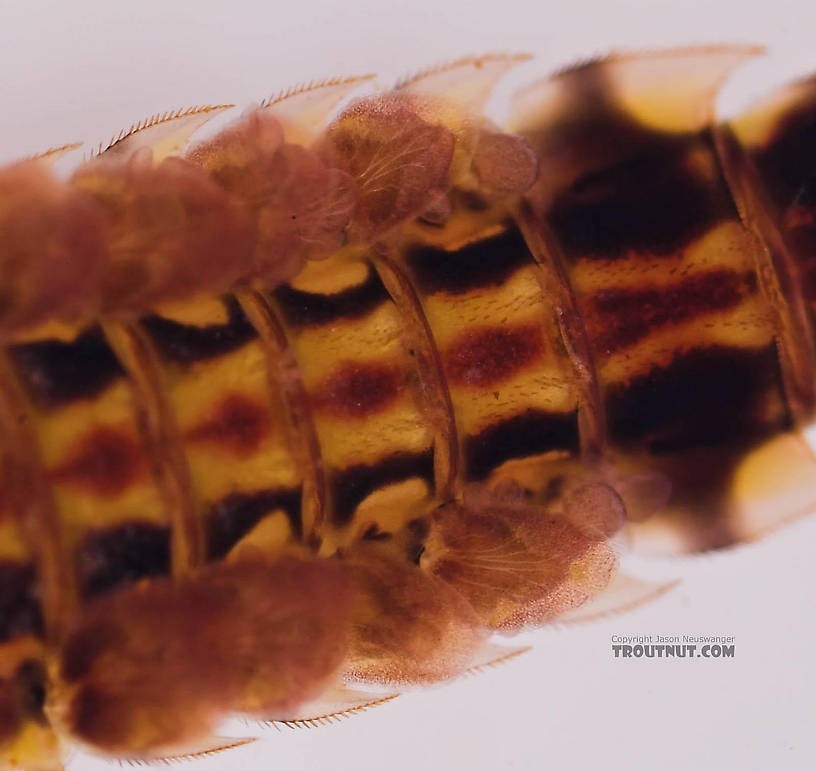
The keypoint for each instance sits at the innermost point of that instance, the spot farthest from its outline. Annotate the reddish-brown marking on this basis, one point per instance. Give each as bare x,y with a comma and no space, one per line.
624,316
484,357
358,390
238,424
106,462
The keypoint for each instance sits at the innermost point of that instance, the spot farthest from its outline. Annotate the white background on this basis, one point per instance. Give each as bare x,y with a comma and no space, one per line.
83,70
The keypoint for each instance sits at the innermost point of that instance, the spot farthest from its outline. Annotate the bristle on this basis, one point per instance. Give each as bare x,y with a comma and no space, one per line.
52,153
156,119
313,85
332,717
497,656
192,755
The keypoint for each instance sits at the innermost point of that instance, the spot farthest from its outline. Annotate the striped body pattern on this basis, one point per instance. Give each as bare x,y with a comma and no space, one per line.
323,400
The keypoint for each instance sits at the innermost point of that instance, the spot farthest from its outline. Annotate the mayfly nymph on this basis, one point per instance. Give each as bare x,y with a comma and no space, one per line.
326,399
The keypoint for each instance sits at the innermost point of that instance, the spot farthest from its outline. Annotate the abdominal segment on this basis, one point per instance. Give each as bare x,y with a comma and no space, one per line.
685,331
